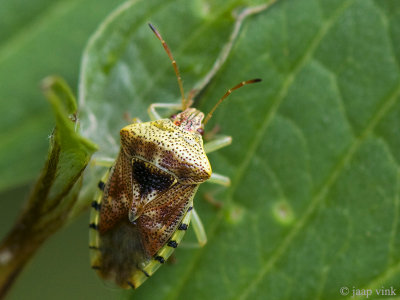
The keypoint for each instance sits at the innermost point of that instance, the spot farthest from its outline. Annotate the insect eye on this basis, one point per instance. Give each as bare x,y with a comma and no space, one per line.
172,117
200,130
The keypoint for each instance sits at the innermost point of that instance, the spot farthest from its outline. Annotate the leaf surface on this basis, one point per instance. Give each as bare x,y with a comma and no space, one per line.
314,200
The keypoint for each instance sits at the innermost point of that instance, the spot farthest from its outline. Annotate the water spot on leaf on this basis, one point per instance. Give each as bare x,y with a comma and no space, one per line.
283,212
235,214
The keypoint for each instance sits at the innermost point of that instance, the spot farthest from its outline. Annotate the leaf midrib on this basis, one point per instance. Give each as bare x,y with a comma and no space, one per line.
176,51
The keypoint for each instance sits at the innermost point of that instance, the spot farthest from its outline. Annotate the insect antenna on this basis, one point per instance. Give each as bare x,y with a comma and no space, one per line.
243,83
178,75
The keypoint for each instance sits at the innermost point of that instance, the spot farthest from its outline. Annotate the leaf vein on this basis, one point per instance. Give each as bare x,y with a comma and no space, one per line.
387,104
283,92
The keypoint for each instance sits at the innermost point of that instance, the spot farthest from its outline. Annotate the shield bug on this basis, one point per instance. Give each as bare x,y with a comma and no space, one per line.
146,199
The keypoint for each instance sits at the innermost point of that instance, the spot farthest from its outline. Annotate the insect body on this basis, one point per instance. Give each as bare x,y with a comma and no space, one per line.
146,203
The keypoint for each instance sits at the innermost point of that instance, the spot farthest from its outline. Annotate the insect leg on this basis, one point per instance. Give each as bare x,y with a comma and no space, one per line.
217,144
219,179
103,161
211,200
153,114
199,229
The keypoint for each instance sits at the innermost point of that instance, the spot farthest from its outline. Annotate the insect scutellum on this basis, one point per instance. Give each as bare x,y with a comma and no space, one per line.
145,203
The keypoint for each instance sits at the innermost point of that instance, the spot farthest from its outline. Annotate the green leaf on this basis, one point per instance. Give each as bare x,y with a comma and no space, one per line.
74,151
314,201
37,38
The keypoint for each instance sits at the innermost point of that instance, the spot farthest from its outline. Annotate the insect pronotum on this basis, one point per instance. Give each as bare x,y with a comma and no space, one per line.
146,199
